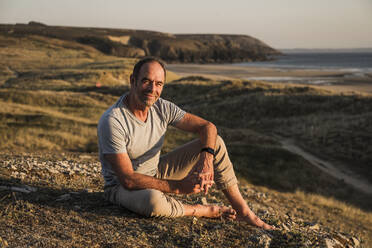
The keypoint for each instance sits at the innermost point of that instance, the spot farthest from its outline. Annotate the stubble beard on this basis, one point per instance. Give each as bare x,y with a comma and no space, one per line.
140,95
148,102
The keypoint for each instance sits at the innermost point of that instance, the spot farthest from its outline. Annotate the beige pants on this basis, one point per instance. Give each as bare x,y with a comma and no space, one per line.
174,165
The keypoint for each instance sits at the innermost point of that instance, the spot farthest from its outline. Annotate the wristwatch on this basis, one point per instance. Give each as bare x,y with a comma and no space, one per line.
208,149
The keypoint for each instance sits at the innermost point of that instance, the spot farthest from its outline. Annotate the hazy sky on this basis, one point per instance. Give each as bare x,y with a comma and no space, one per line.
279,23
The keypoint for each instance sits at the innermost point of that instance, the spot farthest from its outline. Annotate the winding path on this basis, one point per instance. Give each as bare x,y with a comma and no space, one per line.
327,167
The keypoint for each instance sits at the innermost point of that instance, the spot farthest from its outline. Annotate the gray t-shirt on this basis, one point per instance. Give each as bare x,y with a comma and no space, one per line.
119,131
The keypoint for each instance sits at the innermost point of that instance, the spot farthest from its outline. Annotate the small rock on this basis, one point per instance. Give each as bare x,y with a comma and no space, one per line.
355,241
312,225
3,242
261,195
194,220
52,170
21,175
332,243
285,227
344,240
342,237
84,156
264,241
315,227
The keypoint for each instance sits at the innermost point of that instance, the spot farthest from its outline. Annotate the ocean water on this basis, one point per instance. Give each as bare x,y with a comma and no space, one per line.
327,61
354,64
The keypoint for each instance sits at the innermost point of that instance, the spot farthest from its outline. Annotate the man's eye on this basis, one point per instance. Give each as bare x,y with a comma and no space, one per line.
159,84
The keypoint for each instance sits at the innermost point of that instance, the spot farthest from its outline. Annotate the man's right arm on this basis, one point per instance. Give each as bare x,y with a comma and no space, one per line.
131,180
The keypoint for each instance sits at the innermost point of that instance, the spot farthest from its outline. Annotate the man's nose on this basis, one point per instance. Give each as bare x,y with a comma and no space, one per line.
151,86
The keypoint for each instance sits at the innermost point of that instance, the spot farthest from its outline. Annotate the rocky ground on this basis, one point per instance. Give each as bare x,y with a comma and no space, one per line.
57,201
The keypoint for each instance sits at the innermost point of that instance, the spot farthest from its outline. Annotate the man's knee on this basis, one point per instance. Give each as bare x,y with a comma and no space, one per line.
156,204
161,205
147,202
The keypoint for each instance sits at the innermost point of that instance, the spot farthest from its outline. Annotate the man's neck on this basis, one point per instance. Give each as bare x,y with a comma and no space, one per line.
139,110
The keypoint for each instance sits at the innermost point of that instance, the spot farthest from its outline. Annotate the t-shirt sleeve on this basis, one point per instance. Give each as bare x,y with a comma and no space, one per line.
172,112
111,136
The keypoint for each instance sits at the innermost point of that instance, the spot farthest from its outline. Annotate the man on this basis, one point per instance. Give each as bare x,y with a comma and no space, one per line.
131,134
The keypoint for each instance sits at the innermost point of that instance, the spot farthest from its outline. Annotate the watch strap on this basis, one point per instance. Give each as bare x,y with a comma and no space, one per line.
208,149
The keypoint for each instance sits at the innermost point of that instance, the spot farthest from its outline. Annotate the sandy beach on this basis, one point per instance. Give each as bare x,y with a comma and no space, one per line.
334,80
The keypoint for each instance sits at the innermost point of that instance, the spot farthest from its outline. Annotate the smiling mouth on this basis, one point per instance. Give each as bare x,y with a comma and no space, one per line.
149,94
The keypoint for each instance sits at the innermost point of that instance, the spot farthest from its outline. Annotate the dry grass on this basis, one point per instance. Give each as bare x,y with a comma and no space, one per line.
329,202
52,109
333,125
337,213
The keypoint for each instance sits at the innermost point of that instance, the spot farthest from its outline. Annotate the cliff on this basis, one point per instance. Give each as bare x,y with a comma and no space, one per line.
183,48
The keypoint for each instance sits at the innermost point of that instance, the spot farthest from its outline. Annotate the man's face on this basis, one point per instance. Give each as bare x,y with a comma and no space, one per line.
149,84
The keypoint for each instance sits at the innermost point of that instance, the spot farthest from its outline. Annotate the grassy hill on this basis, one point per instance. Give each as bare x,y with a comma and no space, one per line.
191,48
52,93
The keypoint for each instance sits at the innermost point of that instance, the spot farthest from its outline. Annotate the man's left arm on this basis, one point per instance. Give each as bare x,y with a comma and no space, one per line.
208,134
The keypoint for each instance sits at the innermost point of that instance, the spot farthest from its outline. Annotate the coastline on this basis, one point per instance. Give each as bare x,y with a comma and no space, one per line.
339,81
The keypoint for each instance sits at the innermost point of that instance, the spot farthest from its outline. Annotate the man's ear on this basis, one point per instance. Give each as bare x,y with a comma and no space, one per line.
132,81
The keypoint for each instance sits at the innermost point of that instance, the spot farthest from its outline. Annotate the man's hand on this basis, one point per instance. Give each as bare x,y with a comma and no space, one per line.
205,171
208,134
200,178
189,185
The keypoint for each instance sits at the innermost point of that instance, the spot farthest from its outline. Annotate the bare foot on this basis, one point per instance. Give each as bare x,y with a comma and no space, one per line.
254,221
221,211
210,211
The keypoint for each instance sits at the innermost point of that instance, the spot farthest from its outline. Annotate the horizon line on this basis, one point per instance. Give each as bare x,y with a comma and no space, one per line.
156,31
